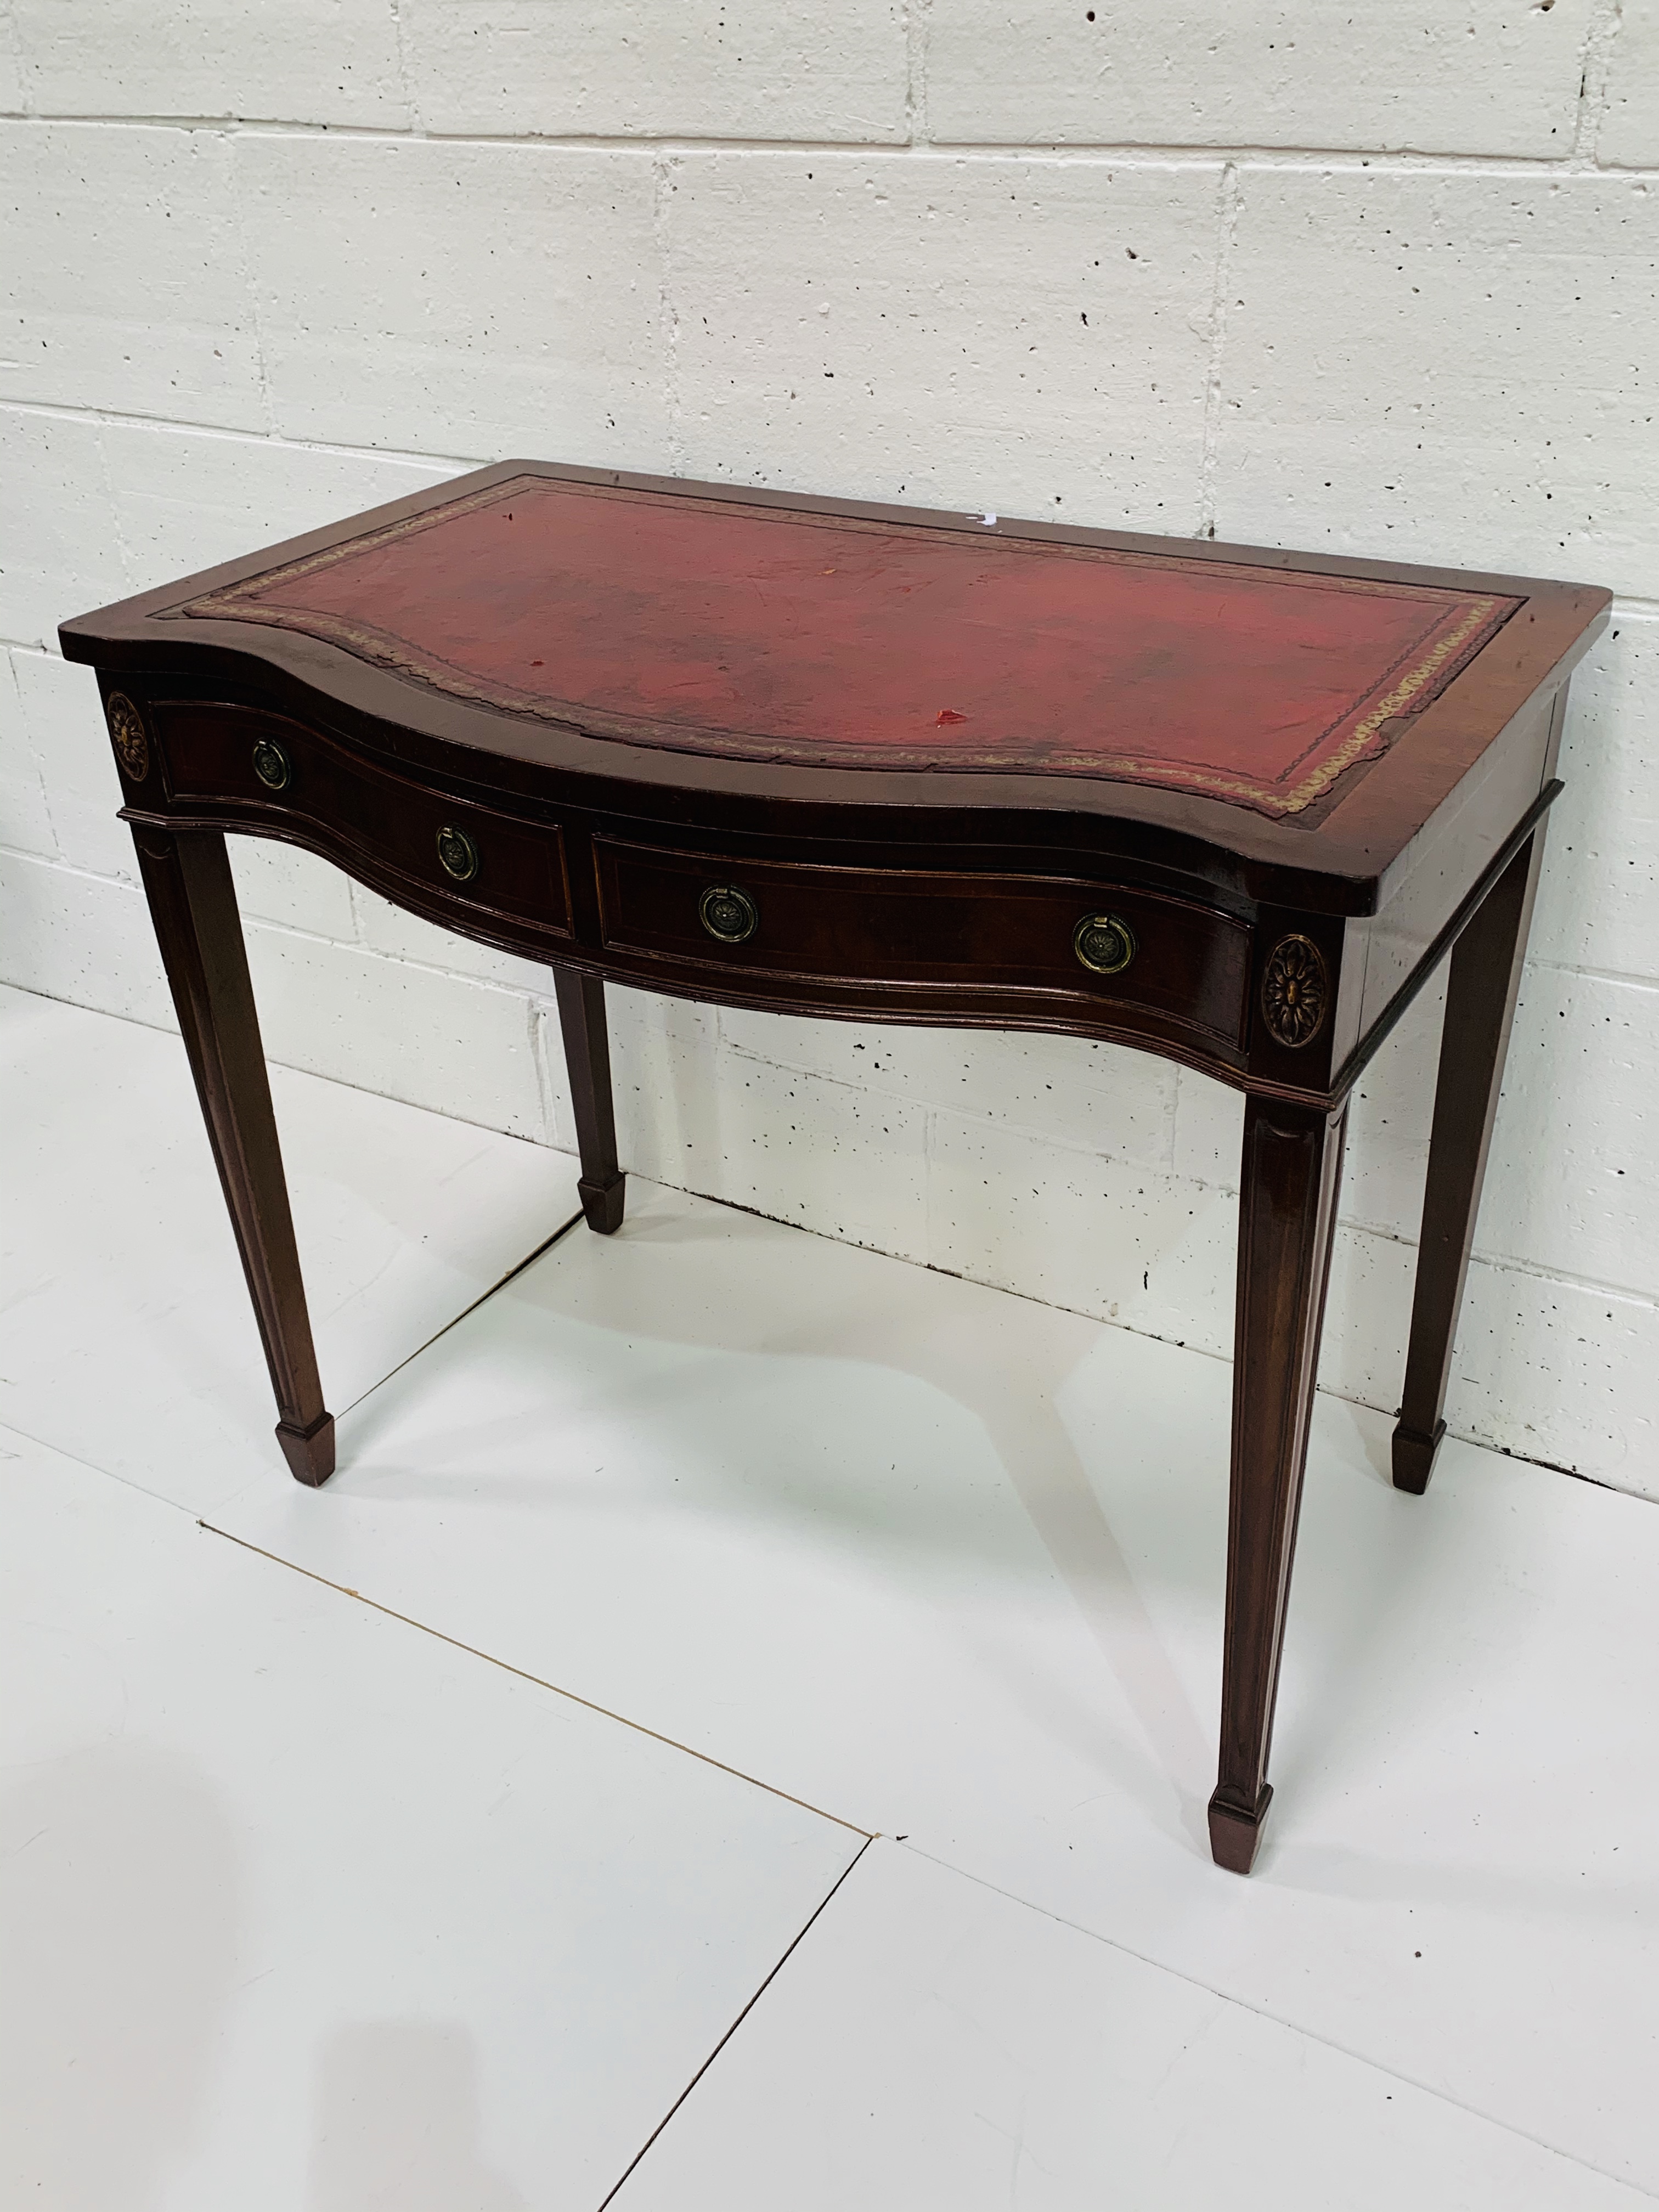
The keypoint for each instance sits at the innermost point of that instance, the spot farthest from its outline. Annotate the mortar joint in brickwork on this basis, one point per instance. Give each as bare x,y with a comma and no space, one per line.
1228,195
1594,73
116,532
664,165
251,292
916,12
405,82
11,42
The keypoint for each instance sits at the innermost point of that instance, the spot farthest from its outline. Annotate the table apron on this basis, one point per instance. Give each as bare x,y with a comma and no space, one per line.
969,941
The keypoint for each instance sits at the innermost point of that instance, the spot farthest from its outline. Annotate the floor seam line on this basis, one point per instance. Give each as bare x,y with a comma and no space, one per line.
1258,2012
91,1466
483,1299
575,1698
679,2100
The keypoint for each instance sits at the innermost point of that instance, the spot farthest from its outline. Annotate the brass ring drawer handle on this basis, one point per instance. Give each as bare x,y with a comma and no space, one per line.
272,764
457,853
727,913
1104,942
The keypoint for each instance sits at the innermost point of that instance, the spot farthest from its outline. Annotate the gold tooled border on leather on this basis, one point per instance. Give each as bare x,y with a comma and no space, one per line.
1481,616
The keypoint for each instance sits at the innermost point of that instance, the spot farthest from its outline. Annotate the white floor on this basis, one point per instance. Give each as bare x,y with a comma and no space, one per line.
489,1829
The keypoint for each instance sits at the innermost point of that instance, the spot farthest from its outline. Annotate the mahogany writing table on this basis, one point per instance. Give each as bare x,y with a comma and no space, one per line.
1229,806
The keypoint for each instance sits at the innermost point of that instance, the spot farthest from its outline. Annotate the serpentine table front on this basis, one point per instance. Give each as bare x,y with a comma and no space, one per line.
1227,806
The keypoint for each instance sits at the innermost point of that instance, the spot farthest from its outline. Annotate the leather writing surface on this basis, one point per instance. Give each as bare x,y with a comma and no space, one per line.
708,626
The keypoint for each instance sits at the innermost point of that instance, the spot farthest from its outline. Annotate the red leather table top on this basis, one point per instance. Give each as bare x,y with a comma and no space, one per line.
714,627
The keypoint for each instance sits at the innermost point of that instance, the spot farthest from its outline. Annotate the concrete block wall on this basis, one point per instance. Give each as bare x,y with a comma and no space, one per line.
1380,281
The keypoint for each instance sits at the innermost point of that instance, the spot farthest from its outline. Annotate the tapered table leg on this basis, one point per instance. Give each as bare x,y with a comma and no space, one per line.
1292,1165
192,902
603,1186
1481,994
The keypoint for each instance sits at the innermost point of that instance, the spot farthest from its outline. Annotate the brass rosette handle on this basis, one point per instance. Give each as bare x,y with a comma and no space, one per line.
1104,942
729,915
457,853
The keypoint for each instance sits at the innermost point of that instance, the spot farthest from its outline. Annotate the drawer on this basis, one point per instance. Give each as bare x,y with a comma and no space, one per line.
380,823
1014,934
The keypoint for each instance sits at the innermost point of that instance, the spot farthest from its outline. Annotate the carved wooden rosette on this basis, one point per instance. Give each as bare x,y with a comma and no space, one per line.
1296,992
126,730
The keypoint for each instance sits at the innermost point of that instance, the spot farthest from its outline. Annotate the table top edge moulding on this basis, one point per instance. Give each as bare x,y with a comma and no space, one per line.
1229,806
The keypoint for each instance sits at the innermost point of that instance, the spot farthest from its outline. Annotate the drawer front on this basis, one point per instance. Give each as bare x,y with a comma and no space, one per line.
1013,933
467,855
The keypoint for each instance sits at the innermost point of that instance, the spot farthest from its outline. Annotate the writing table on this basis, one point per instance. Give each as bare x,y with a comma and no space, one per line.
1229,806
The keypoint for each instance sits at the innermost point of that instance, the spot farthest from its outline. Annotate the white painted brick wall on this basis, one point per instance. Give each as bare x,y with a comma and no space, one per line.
1377,281
1459,367
11,68
1488,76
457,297
182,500
58,520
325,61
123,281
620,69
1028,336
1629,136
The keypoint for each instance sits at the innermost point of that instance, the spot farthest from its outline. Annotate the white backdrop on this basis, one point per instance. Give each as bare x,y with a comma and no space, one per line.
1379,281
